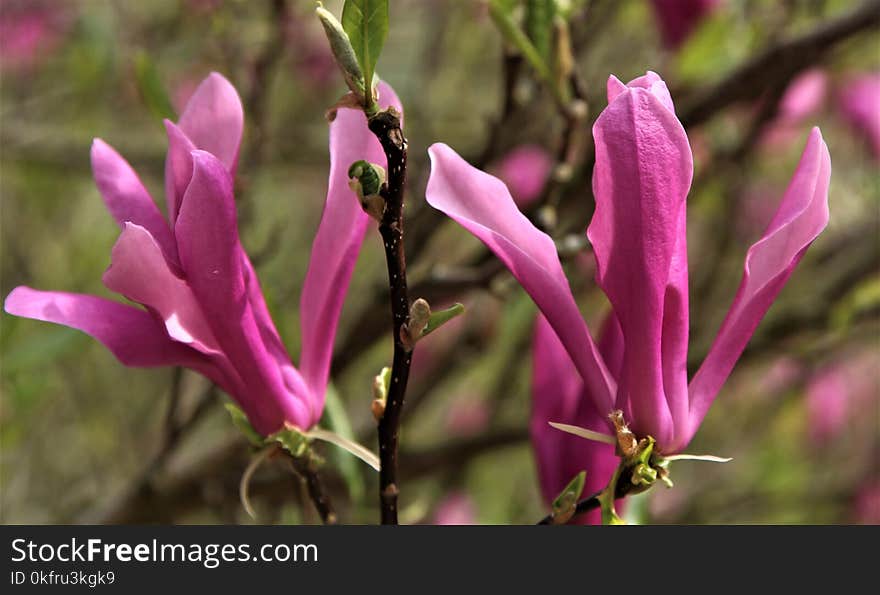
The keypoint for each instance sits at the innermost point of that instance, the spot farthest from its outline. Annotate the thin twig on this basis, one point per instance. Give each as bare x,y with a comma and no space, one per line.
386,126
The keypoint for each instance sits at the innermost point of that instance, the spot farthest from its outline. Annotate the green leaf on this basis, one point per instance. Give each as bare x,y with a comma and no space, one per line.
336,419
241,422
366,23
151,88
441,317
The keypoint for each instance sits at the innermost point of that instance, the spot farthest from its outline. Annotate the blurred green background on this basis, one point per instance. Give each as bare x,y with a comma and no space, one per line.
84,439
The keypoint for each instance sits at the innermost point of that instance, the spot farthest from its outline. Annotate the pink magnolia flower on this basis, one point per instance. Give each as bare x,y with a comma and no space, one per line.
641,179
677,19
859,103
525,170
202,303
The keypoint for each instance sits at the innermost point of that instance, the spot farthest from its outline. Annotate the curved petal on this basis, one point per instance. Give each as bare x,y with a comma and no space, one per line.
131,334
483,206
801,216
214,120
140,272
178,168
126,198
641,179
210,254
337,242
558,394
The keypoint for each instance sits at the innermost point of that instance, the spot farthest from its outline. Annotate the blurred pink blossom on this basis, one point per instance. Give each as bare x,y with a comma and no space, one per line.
866,504
677,19
30,31
455,509
804,97
467,415
525,170
859,103
841,393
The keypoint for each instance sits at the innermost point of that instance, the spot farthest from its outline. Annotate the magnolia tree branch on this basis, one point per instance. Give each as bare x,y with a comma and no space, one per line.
386,126
781,60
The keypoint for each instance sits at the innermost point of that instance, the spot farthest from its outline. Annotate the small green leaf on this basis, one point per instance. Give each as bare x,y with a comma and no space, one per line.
366,23
151,88
441,317
240,420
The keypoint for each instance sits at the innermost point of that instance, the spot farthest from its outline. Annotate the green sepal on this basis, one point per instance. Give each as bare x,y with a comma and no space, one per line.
292,440
240,420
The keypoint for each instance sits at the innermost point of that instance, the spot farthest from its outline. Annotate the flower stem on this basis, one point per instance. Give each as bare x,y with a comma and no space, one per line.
306,468
386,126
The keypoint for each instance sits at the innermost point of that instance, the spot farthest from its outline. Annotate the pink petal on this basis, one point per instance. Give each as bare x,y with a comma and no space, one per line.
558,394
801,216
214,120
178,168
483,206
641,179
337,242
141,273
210,253
131,334
126,198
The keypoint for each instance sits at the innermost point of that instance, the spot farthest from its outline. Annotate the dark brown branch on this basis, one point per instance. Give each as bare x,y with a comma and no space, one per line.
386,126
782,60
